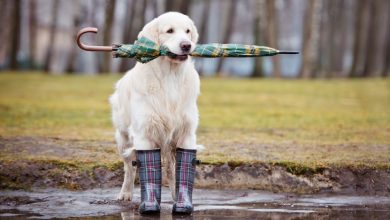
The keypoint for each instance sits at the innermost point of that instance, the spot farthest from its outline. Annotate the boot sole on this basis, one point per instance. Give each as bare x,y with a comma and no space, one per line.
149,212
182,211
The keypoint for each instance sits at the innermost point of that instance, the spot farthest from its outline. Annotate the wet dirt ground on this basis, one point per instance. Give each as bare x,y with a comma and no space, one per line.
209,204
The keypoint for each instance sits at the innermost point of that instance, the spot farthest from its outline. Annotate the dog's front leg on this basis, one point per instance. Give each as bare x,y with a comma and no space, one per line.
126,151
129,177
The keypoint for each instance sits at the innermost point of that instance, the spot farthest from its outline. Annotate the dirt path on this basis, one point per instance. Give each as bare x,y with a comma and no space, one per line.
27,162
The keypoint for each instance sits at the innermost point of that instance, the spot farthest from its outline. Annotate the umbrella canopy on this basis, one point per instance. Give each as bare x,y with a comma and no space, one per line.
145,50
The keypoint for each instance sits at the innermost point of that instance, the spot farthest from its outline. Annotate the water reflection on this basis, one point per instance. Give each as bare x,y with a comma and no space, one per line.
209,204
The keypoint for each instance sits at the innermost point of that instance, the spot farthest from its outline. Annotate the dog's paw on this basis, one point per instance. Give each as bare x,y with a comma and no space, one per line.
125,196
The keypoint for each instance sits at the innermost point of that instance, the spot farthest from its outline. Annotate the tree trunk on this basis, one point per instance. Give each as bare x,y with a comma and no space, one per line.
32,4
308,31
107,36
185,6
376,41
371,40
205,20
128,33
15,31
337,33
170,5
203,28
155,8
323,41
386,59
359,48
143,12
182,6
228,30
258,37
3,33
273,35
77,20
53,31
311,39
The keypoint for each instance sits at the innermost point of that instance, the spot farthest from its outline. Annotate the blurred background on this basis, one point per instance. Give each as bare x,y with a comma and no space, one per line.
337,38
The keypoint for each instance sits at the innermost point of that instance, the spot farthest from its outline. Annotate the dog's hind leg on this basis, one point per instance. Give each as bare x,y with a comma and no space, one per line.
127,152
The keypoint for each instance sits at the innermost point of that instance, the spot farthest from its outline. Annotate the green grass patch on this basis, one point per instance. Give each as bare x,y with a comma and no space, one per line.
308,123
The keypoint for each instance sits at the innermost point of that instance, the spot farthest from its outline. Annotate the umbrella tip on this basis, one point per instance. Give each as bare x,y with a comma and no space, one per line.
288,52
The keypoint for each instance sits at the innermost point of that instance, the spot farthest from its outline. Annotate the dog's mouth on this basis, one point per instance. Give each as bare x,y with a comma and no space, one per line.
181,57
177,57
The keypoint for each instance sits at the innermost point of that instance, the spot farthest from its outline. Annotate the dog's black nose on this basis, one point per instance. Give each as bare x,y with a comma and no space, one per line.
185,46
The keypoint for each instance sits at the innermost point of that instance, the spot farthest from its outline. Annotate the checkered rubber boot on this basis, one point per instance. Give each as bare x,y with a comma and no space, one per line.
185,174
149,166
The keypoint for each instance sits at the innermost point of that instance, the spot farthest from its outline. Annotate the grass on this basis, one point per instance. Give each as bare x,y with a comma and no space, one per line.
311,123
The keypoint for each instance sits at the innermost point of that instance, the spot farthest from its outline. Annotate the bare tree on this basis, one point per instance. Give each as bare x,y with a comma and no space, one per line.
273,34
338,35
376,39
205,20
32,4
137,21
3,33
53,31
386,59
370,52
323,42
170,5
15,31
310,38
185,6
154,5
107,35
143,12
128,33
77,20
359,48
258,30
203,27
182,6
228,30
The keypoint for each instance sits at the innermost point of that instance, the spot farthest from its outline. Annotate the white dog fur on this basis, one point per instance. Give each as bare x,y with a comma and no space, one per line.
154,105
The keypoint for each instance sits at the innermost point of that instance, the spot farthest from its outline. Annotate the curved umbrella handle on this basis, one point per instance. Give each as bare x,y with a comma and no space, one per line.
87,47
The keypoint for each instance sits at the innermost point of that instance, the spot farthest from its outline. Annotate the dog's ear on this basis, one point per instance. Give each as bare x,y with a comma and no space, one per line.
194,33
150,31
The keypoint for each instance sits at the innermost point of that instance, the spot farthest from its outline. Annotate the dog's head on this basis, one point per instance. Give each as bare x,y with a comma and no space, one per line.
175,31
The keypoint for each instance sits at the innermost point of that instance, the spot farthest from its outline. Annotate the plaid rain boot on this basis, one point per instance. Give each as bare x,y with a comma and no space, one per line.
185,175
149,166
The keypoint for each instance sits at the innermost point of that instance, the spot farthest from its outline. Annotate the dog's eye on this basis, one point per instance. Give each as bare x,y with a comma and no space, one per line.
188,31
170,31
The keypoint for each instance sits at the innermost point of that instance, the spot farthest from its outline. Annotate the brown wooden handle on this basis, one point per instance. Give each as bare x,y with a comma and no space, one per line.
88,47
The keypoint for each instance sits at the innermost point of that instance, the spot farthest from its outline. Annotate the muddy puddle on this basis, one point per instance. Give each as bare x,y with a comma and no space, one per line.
209,204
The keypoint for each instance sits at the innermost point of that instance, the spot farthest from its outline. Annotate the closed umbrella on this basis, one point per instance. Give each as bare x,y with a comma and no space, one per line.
145,50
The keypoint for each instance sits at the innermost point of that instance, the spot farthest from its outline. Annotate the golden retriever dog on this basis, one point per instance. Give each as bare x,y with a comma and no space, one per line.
154,104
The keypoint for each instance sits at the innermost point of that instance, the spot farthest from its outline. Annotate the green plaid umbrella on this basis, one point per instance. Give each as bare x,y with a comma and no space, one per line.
145,50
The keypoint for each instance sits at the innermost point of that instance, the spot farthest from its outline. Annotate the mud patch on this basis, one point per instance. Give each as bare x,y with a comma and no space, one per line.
27,174
28,162
278,178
